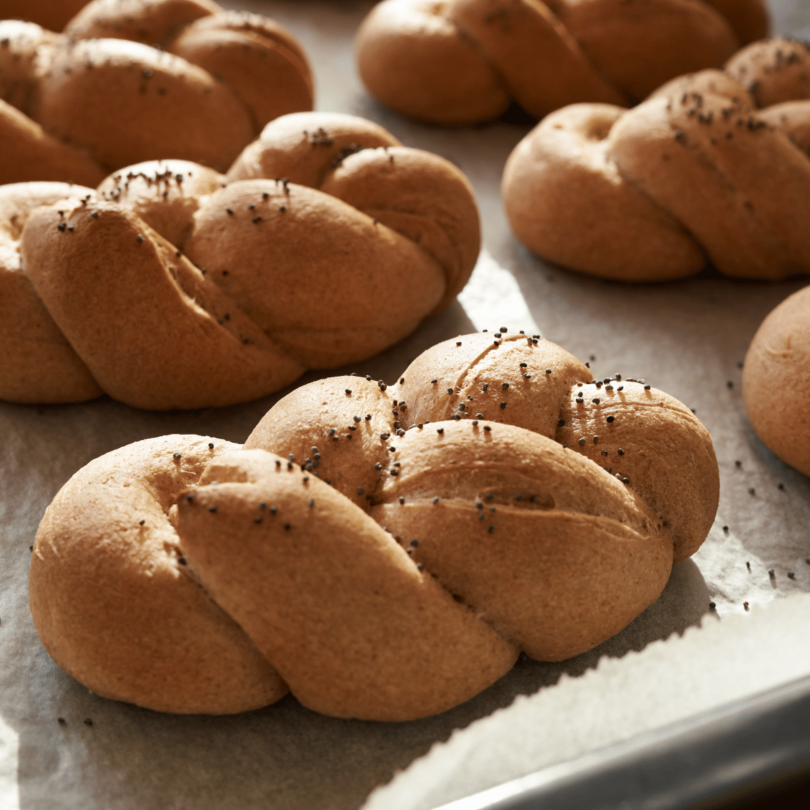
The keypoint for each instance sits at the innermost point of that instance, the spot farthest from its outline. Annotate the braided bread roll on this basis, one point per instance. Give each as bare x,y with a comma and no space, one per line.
36,359
139,80
465,61
695,174
777,360
226,289
387,566
27,151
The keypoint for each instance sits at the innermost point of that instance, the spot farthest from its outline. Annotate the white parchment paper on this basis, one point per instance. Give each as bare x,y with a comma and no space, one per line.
687,338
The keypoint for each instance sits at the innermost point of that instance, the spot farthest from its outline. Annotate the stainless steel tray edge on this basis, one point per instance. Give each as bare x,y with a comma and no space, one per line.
755,741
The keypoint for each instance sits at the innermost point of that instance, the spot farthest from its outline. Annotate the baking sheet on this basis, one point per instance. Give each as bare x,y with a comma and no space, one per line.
687,338
740,746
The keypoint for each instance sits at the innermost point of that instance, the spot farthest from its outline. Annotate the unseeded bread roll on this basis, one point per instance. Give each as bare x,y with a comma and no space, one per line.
695,174
387,566
464,61
144,79
327,243
775,387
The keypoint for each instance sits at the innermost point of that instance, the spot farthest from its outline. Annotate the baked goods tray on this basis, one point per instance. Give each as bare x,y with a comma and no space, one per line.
685,692
732,751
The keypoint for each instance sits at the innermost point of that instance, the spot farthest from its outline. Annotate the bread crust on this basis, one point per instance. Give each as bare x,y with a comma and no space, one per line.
107,547
778,360
150,22
611,192
773,71
25,144
37,361
389,568
223,292
141,80
106,94
560,182
458,62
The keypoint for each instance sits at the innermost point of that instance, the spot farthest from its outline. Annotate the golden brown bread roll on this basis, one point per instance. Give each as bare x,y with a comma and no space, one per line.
36,362
464,61
695,174
151,22
27,150
145,79
164,640
773,71
775,387
387,566
219,292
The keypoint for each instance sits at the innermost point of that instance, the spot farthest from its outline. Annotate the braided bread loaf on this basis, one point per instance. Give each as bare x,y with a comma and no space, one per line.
464,61
694,174
777,360
172,286
387,549
74,107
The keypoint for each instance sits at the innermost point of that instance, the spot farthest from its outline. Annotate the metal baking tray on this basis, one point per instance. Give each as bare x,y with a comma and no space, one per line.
716,756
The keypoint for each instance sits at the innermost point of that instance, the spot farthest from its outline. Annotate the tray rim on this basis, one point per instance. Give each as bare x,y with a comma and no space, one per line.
756,741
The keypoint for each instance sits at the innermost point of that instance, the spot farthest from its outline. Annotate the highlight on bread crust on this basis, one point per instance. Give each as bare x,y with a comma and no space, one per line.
383,551
140,80
173,286
777,361
465,61
696,174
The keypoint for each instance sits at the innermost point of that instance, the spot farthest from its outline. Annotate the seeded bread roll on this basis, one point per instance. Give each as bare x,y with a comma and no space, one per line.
773,71
126,118
36,362
777,360
612,192
27,151
415,194
258,59
144,631
464,61
518,380
387,566
219,294
145,79
184,343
